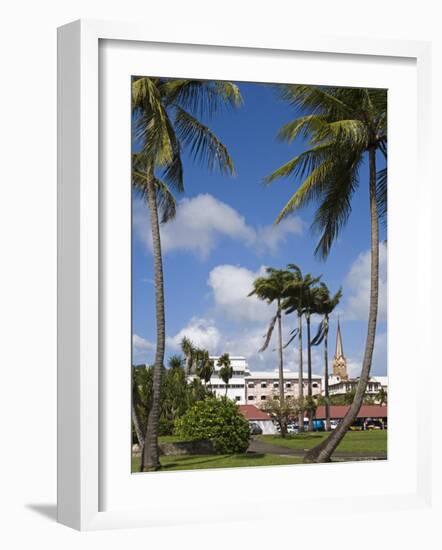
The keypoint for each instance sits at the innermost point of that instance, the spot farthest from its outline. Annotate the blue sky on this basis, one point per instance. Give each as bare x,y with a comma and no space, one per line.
223,237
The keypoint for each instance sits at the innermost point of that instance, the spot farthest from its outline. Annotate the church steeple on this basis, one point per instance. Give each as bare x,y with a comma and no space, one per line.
339,347
339,360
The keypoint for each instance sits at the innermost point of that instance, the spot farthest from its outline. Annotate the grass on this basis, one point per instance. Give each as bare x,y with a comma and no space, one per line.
199,462
353,442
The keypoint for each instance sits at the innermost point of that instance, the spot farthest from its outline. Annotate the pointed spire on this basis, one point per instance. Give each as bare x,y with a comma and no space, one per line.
339,347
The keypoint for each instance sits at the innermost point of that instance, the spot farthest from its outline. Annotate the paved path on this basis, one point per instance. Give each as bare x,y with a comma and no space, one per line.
258,446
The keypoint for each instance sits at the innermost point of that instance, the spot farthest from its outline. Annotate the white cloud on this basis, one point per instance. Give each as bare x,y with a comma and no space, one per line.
203,220
357,287
141,344
141,348
202,332
231,285
270,237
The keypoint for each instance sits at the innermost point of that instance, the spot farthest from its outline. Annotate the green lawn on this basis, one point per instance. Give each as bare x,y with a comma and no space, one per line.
198,462
356,442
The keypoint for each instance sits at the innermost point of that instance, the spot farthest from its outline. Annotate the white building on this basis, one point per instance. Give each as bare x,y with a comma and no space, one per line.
236,386
339,386
254,388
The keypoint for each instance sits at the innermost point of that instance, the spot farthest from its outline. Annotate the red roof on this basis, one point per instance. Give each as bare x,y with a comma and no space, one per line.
366,411
250,412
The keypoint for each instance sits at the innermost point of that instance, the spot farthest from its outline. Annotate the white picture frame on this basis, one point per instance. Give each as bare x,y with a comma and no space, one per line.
80,394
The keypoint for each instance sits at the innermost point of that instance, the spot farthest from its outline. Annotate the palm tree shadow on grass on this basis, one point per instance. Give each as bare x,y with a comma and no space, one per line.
210,460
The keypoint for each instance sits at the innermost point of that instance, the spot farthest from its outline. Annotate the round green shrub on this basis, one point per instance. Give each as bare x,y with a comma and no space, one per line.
217,420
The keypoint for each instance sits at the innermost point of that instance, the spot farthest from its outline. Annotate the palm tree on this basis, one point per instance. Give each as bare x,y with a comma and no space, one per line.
226,370
136,403
188,350
325,304
295,299
205,366
166,115
343,126
271,289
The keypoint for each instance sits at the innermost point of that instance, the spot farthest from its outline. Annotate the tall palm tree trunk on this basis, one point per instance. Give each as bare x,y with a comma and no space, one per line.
323,451
300,376
150,457
136,417
137,427
326,395
309,375
281,368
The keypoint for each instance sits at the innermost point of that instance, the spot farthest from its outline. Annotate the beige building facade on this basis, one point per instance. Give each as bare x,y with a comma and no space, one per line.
263,386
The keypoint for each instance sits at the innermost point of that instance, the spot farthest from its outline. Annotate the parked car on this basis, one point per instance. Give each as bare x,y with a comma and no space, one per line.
255,429
357,425
374,425
334,424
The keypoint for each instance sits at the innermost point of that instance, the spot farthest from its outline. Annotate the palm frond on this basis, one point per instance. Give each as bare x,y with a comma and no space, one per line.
203,144
200,97
295,334
268,335
301,126
381,193
317,100
319,337
303,163
335,207
165,200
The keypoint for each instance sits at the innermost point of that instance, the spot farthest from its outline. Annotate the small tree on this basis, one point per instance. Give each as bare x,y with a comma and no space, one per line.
226,370
204,366
282,412
218,420
382,397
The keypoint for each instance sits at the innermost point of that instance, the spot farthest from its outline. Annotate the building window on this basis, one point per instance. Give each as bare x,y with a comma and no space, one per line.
288,385
315,385
263,385
238,398
251,397
263,397
251,385
275,384
275,397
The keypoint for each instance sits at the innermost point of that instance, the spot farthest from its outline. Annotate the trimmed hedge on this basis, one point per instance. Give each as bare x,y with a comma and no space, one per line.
217,420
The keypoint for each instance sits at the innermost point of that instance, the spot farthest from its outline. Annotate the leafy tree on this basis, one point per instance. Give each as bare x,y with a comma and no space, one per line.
166,114
218,420
176,397
325,304
297,298
282,412
271,289
342,127
226,370
382,397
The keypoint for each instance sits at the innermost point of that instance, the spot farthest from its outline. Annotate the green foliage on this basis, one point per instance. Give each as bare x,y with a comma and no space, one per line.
347,398
176,397
339,126
226,370
217,420
281,413
271,289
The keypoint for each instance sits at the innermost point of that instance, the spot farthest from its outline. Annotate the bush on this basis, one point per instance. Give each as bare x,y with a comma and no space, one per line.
217,420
